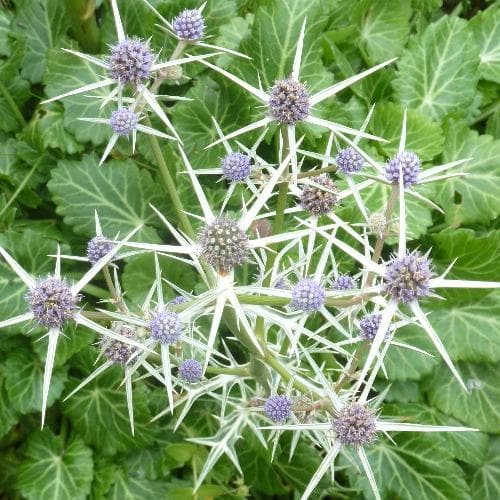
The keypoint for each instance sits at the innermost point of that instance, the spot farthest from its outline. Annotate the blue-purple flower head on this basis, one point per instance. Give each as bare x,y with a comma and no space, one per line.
320,199
407,278
344,282
166,327
52,302
349,161
189,25
116,351
307,296
278,408
236,167
369,325
123,121
288,101
130,61
190,371
355,425
177,300
97,248
410,165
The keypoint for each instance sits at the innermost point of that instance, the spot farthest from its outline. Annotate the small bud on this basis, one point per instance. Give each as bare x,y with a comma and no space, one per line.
410,165
288,101
355,425
319,201
369,326
172,72
166,327
344,282
378,223
177,300
189,25
349,161
236,167
262,228
97,248
123,121
278,408
190,371
308,296
130,61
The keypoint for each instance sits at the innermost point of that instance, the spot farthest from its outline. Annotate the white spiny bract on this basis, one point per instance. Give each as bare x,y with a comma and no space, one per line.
257,333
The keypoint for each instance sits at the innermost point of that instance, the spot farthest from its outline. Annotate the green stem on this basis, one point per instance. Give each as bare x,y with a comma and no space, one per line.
13,106
242,370
486,113
84,24
112,289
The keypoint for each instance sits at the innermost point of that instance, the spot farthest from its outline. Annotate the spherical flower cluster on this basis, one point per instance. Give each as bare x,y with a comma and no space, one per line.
349,161
123,121
52,302
166,327
307,296
130,61
189,25
368,327
288,101
355,425
97,248
278,408
319,201
223,244
119,352
410,165
378,223
177,300
344,282
236,167
407,278
190,370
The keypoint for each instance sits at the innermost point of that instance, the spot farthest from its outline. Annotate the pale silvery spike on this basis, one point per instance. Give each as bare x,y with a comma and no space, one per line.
288,102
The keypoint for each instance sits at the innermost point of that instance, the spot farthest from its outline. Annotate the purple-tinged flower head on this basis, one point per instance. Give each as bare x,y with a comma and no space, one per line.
130,61
189,25
288,101
278,408
52,302
97,248
123,121
355,425
407,278
369,325
307,296
223,244
281,284
344,282
177,300
166,327
116,351
410,164
236,167
190,370
349,161
319,201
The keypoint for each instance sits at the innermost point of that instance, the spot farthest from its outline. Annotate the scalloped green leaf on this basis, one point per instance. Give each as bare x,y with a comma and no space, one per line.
54,469
485,481
8,414
5,19
433,76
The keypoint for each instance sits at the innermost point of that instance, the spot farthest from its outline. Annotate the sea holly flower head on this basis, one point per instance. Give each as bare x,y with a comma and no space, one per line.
344,282
130,61
355,425
236,167
349,161
278,407
190,370
123,121
166,327
369,325
177,300
407,278
189,25
288,101
116,351
52,302
409,163
97,248
308,296
319,198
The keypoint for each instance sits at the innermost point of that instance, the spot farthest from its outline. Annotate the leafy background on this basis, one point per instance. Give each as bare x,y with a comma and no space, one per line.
447,75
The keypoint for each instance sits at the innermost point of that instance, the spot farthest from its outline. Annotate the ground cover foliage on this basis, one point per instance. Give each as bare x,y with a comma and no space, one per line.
444,85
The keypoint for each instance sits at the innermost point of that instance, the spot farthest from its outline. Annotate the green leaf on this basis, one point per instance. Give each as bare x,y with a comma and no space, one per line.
434,77
485,482
118,191
480,406
486,29
493,123
99,413
473,198
42,23
5,19
423,136
8,415
384,27
54,469
129,487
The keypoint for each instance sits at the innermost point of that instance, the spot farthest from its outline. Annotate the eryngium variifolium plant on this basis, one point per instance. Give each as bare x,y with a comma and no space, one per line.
262,266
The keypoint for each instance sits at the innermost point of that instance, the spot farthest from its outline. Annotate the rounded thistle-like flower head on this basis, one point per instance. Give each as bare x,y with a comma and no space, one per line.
123,121
319,201
189,25
52,302
288,101
236,167
368,327
177,300
307,296
410,164
190,371
281,284
130,61
407,278
344,282
116,351
223,244
166,327
378,223
97,248
278,408
349,161
355,425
